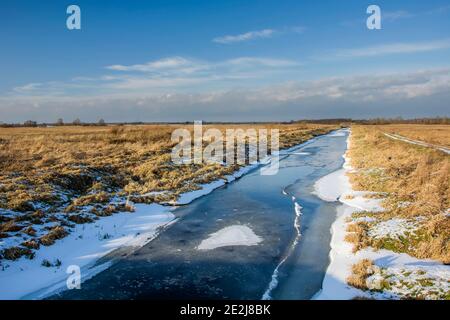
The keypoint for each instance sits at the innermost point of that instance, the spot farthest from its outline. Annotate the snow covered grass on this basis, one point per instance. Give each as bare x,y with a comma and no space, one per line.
82,247
410,282
394,228
374,272
236,235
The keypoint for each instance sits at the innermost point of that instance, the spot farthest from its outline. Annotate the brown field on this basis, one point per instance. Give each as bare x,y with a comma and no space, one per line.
434,134
415,182
75,174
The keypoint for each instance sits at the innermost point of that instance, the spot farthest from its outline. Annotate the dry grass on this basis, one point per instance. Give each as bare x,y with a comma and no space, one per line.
360,272
357,234
416,181
434,134
67,175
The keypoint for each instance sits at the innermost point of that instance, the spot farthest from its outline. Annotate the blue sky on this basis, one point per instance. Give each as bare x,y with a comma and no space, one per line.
223,60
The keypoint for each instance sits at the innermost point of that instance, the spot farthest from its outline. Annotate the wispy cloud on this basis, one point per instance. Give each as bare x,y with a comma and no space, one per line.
260,34
393,48
167,63
251,35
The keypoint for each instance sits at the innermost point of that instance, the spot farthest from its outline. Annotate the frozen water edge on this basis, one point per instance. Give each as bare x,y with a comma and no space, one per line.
336,186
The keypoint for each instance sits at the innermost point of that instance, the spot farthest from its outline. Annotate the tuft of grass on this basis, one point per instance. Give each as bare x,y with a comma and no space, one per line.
53,235
358,235
14,253
360,272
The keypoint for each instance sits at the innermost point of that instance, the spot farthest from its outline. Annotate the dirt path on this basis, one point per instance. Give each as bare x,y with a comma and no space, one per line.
416,142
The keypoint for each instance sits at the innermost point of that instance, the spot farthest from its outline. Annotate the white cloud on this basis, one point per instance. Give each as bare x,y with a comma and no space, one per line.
267,62
167,63
266,33
260,34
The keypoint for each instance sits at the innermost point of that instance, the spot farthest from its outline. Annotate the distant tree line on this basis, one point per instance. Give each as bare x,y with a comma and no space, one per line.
374,121
400,120
59,122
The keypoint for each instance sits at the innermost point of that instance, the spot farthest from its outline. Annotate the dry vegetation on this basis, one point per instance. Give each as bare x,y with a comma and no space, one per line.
413,180
434,134
51,178
360,272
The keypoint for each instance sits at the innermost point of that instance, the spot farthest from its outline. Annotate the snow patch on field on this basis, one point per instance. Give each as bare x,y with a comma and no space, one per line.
401,275
393,228
236,235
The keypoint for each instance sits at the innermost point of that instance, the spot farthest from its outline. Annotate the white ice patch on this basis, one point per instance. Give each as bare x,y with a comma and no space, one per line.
236,235
339,133
301,153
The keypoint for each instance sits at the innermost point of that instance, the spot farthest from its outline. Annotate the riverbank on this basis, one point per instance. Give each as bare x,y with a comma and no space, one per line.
383,274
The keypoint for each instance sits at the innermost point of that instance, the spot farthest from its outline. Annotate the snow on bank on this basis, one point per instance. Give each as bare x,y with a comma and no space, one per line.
236,235
188,197
82,247
390,265
331,187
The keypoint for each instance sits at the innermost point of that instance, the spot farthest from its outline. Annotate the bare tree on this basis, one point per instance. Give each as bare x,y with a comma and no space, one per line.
60,122
101,122
77,122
